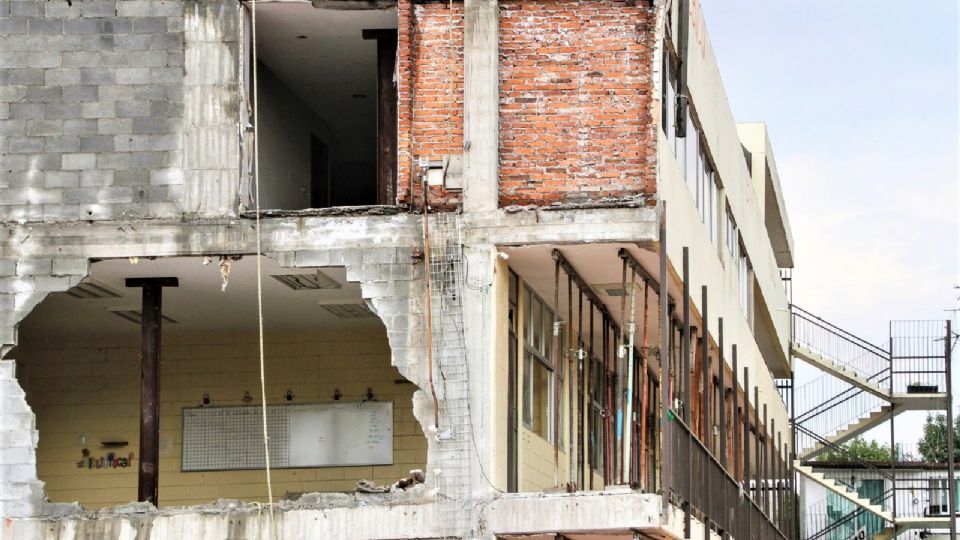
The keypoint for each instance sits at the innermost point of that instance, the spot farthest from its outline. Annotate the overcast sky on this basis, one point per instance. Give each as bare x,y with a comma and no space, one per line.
861,102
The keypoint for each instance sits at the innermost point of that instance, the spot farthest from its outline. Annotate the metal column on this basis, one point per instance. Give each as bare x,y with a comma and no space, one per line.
150,326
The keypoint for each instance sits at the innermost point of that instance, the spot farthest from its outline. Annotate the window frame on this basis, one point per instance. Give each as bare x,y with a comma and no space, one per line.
538,352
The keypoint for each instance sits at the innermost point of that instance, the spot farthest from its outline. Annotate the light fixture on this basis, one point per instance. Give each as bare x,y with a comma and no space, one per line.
304,282
349,311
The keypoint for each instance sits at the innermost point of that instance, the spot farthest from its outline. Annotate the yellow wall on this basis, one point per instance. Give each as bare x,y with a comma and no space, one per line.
92,388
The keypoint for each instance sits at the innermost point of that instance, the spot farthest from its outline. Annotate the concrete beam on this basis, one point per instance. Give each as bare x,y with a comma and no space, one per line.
481,102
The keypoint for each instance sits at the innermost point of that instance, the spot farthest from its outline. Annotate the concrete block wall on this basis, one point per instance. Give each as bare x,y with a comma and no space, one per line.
90,387
92,118
430,91
575,93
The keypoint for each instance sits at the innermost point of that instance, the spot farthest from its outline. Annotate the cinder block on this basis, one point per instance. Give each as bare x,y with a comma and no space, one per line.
95,178
25,9
25,145
45,127
25,76
60,111
116,160
10,94
155,125
96,143
44,94
98,109
79,161
131,177
45,26
80,126
80,195
26,111
11,27
62,77
134,8
166,41
99,9
115,26
115,59
149,25
81,59
80,94
33,267
132,42
57,144
134,75
44,59
8,267
61,179
114,126
80,27
137,110
115,93
68,266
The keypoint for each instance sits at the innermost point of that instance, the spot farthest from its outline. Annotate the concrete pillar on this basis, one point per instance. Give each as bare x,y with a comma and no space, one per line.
481,100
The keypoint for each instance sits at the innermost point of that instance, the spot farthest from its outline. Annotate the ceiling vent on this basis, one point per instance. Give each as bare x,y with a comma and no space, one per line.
349,311
92,289
307,282
136,316
613,289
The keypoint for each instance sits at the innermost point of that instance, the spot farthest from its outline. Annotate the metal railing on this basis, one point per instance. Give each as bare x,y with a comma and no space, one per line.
917,358
701,482
828,405
828,525
842,348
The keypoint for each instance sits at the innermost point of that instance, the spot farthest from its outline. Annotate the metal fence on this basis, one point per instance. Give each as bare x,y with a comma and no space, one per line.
702,486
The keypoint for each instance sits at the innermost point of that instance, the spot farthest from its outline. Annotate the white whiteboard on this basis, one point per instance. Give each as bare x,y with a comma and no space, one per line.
342,434
318,435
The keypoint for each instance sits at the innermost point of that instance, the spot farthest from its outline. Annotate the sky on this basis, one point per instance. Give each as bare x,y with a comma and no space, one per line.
860,98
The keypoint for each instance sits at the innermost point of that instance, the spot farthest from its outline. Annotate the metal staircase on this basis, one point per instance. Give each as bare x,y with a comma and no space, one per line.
863,385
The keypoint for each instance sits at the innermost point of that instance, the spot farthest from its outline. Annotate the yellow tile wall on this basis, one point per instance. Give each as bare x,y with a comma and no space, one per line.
91,388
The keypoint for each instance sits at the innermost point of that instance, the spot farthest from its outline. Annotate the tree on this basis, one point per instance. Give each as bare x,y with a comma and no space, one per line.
858,449
933,444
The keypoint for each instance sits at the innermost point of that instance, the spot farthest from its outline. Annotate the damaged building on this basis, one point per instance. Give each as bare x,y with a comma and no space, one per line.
396,269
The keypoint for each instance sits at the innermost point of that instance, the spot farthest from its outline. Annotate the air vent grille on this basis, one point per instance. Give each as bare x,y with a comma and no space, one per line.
349,311
307,282
92,289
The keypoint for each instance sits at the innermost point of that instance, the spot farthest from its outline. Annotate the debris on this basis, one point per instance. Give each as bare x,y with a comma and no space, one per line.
224,272
134,260
366,486
416,477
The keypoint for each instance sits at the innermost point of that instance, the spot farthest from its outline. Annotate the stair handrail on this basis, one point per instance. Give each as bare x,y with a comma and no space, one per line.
883,473
857,512
842,397
797,311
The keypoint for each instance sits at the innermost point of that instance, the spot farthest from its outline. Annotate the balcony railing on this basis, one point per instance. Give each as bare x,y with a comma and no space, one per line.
704,487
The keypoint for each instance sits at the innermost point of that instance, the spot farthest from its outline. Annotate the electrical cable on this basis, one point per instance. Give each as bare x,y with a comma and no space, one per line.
257,226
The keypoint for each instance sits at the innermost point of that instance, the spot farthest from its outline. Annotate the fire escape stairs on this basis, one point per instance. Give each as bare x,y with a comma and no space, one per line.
841,490
858,426
838,370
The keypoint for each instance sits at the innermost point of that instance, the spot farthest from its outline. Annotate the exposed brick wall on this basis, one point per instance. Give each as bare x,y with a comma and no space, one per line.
430,90
575,90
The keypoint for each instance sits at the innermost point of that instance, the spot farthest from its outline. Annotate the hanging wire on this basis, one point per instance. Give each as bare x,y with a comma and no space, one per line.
256,181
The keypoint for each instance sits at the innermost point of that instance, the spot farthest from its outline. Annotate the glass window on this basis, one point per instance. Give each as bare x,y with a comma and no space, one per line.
538,365
732,235
746,283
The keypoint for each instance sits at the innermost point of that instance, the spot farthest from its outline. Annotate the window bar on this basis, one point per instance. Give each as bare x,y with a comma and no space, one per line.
685,344
589,390
666,454
746,445
735,424
757,497
772,471
644,397
608,424
765,468
555,358
580,385
723,397
706,394
604,391
572,444
625,423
